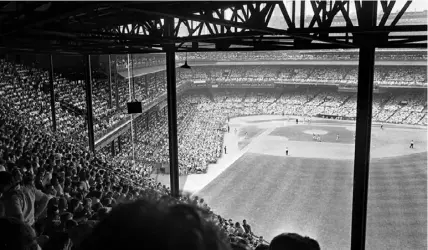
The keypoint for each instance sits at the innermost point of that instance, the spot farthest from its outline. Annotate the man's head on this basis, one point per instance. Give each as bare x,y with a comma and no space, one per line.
16,235
293,241
262,247
155,225
6,181
62,204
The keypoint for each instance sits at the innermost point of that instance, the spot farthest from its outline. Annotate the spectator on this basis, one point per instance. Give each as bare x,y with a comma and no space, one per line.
293,241
239,230
19,201
262,247
15,234
155,226
246,227
58,241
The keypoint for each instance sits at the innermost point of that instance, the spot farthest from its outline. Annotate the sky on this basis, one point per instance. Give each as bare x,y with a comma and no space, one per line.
418,5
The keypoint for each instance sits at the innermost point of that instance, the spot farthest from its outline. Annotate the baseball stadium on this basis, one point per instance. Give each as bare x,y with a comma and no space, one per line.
108,140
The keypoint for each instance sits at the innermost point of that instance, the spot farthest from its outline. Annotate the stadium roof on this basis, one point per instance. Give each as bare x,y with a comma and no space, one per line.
139,27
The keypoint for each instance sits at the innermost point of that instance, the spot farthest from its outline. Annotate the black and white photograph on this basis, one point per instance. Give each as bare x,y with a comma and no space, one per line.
213,125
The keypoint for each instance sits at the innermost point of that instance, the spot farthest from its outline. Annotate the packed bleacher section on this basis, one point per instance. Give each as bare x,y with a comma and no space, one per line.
139,61
25,83
151,60
341,75
71,189
21,82
202,115
70,95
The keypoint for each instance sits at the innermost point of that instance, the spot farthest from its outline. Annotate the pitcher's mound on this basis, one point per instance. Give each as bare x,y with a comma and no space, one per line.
314,131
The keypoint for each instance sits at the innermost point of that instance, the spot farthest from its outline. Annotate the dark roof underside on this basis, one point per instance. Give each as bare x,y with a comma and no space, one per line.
140,27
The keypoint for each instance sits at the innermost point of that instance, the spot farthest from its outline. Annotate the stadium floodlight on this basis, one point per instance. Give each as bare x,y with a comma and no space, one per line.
185,65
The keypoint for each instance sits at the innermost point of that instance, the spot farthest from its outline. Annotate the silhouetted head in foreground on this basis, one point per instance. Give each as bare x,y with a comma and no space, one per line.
145,224
292,241
16,235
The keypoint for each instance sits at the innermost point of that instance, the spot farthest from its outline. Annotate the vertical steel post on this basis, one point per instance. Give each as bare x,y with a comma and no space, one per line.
132,115
89,110
363,128
172,108
52,93
116,83
110,102
147,86
302,13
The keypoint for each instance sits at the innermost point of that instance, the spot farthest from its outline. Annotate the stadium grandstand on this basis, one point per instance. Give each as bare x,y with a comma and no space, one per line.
319,141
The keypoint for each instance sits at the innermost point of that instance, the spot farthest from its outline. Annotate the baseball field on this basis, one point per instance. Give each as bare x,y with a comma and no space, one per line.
310,190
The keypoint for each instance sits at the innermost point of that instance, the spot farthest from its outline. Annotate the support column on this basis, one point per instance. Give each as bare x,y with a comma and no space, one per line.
89,110
156,81
110,104
52,93
302,13
172,109
112,148
363,129
131,94
116,83
147,86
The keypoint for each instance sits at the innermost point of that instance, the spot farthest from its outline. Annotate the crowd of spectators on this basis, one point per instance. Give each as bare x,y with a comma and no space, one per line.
199,139
151,60
201,116
27,89
25,83
55,194
286,55
341,75
139,61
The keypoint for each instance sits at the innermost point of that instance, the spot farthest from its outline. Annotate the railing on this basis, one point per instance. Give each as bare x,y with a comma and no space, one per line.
100,134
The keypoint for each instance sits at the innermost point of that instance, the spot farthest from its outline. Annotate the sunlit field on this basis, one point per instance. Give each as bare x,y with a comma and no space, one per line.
310,190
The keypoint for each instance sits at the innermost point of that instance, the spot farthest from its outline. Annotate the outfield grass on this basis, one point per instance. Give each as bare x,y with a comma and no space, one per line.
314,197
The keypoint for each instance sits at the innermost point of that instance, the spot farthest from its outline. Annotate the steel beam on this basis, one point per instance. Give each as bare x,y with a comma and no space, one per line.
246,26
55,13
302,13
52,93
172,109
88,83
363,127
116,83
110,102
401,13
360,29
